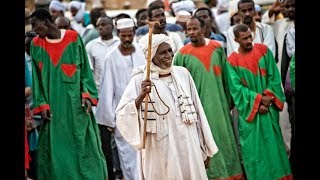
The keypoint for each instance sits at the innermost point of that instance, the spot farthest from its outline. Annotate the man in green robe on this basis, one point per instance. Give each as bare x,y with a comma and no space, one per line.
255,85
205,59
63,93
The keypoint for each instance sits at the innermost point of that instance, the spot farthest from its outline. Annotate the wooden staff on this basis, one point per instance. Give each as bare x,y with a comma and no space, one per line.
151,25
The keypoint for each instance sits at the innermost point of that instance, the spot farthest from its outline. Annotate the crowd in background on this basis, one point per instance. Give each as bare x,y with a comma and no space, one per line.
230,110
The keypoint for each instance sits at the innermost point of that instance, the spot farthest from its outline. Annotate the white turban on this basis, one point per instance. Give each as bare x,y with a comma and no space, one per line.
79,16
57,5
186,5
157,39
77,4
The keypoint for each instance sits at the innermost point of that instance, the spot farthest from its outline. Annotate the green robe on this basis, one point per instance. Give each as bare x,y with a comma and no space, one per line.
292,72
249,76
206,66
69,143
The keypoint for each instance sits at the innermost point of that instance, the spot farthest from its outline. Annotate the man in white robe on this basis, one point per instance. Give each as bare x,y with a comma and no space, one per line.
179,142
115,76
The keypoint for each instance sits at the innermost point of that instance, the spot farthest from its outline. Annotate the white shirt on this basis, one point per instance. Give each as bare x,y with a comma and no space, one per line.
97,50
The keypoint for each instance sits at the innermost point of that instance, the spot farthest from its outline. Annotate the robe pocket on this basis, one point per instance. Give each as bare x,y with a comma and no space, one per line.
68,73
162,128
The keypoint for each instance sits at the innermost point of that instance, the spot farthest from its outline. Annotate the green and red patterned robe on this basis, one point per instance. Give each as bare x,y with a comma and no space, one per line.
250,76
206,66
69,143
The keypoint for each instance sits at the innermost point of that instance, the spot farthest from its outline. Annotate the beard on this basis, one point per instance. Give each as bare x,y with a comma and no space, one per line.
127,45
247,20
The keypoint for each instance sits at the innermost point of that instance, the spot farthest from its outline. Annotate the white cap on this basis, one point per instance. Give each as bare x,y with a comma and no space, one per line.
125,23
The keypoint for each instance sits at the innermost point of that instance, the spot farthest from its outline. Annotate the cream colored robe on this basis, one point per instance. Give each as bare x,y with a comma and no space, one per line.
177,151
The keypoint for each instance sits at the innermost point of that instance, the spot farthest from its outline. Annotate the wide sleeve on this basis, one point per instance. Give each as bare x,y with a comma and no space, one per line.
105,110
40,102
88,86
274,87
129,122
266,19
246,100
290,42
207,143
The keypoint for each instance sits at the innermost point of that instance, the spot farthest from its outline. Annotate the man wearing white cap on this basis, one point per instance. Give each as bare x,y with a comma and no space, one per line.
56,9
115,77
178,137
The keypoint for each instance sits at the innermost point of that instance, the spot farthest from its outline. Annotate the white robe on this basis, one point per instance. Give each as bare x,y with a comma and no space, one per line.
177,150
115,76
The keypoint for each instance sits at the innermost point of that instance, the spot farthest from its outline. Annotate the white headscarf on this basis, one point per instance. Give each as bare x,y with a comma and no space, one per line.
77,4
57,5
157,39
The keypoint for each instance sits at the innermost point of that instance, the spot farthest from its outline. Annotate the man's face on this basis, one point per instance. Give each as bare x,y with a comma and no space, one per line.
54,13
245,40
158,15
257,17
73,11
290,8
126,37
246,12
163,57
104,26
194,31
204,15
39,27
142,18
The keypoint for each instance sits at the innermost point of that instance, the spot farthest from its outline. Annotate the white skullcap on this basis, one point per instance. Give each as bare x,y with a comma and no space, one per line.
257,8
125,23
57,5
183,16
77,4
157,39
185,5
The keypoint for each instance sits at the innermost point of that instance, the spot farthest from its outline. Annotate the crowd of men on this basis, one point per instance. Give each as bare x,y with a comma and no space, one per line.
211,96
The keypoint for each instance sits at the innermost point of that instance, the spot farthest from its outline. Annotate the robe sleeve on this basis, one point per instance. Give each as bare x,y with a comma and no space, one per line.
88,86
274,87
207,143
129,122
40,102
246,100
266,19
105,110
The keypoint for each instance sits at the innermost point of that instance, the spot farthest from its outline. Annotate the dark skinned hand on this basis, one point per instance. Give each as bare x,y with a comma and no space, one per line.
46,114
267,100
207,163
263,109
87,103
